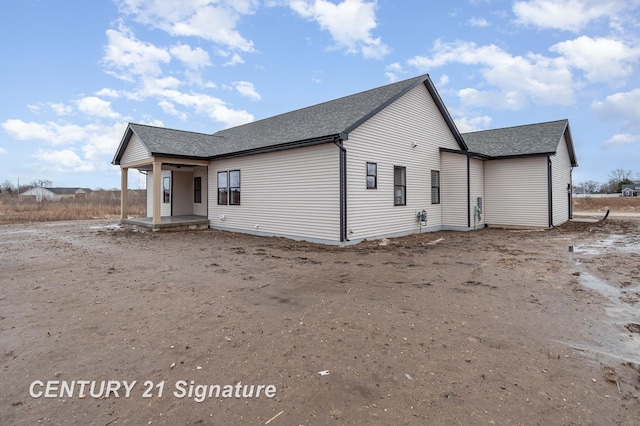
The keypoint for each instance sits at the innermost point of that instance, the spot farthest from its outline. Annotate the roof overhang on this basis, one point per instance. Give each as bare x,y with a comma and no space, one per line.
572,152
469,154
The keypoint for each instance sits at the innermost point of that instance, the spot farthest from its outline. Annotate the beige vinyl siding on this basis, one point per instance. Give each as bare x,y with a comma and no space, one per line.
516,192
387,139
135,150
476,173
453,179
561,177
293,193
182,193
200,209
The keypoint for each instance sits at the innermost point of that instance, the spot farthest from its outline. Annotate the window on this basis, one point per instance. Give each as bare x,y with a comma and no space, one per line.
234,187
229,188
197,190
399,186
435,187
166,190
223,188
372,175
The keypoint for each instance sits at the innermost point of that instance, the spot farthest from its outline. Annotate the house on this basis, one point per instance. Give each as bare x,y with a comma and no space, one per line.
380,163
55,194
631,190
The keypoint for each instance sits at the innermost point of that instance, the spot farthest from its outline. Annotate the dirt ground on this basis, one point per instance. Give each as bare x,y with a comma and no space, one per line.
449,328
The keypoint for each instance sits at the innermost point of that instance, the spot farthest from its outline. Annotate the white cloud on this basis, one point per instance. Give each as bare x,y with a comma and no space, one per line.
213,20
620,106
602,59
478,22
170,109
165,91
97,107
97,143
101,142
108,93
394,72
60,108
208,105
2,150
235,60
192,58
466,124
50,132
127,56
623,107
57,108
247,90
139,62
571,15
350,24
517,80
64,160
623,139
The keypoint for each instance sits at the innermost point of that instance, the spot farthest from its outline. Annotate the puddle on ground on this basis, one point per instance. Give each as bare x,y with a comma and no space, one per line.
614,339
614,242
112,226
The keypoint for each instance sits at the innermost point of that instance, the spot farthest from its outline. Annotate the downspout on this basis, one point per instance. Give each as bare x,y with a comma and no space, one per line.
571,193
468,192
550,191
343,189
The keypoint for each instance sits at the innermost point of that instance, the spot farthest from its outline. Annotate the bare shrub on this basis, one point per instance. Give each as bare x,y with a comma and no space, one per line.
99,204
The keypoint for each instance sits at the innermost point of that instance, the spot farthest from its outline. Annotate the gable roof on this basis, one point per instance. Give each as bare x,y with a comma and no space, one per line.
324,122
631,186
170,142
58,190
521,141
328,120
69,191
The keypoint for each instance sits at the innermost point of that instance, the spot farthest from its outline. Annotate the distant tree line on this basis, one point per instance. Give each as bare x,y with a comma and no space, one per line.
617,178
7,187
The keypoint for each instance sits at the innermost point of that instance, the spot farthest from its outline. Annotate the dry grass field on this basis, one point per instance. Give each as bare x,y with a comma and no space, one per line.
106,205
617,204
97,205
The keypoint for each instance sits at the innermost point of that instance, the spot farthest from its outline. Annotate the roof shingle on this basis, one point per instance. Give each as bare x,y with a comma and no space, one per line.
530,139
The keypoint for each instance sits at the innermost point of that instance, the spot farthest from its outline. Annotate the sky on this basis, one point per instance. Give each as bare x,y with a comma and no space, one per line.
75,72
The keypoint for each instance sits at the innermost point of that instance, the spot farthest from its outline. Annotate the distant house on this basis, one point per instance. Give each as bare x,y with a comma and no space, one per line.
631,190
385,162
55,194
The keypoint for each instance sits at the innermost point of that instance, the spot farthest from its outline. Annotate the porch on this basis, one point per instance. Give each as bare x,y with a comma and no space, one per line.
169,223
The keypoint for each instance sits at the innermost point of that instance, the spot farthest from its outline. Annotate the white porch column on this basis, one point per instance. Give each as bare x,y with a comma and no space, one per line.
157,191
124,193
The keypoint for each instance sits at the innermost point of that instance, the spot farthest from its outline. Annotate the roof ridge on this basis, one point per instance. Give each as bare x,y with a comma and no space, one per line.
171,129
518,126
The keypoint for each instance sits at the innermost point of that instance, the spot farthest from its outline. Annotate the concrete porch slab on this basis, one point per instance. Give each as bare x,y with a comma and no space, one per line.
169,223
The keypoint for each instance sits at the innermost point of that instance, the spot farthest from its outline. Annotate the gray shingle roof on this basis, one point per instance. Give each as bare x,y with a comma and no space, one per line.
531,139
159,140
334,118
318,123
68,191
